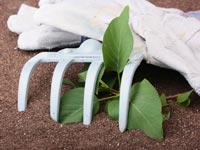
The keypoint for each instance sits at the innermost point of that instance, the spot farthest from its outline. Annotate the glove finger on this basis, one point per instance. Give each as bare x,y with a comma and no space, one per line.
23,21
47,37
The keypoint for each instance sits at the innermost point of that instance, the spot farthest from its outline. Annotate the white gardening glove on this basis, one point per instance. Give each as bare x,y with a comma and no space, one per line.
33,36
90,18
186,29
166,49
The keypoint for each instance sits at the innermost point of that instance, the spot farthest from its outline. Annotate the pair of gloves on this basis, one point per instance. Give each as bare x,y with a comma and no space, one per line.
166,37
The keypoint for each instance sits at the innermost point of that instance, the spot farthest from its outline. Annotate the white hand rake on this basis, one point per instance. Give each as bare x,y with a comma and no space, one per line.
89,51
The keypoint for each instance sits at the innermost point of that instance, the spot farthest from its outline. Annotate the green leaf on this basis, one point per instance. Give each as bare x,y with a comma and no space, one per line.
112,109
82,76
118,42
69,82
183,99
71,106
186,103
145,110
163,99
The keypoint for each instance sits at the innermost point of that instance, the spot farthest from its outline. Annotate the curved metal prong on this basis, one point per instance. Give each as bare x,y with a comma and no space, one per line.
24,80
125,88
24,84
56,86
25,76
90,86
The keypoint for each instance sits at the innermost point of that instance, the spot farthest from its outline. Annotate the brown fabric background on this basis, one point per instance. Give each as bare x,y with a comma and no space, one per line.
34,129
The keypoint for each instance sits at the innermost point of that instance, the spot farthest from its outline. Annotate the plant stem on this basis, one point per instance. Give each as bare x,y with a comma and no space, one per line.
107,98
109,88
113,90
172,97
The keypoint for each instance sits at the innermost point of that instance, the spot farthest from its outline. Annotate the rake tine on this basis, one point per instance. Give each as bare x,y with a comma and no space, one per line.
81,54
90,86
56,86
126,83
24,80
